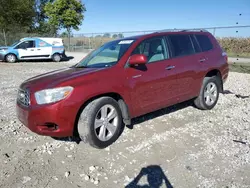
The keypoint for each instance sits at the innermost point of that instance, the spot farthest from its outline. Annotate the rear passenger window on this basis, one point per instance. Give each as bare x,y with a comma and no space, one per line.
195,43
204,42
181,45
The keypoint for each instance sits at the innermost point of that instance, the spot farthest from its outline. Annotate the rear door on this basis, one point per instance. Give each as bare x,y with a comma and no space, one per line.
152,86
208,57
185,59
43,49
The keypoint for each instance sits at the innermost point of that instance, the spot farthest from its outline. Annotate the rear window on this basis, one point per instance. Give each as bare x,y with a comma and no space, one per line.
181,45
204,42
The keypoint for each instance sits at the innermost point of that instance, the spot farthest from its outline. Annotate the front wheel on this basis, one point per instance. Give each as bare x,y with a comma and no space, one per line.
11,58
209,93
100,122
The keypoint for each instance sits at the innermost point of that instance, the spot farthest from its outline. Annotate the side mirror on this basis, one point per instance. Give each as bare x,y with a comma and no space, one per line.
138,59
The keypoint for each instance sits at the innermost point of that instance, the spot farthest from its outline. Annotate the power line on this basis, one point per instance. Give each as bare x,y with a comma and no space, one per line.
150,31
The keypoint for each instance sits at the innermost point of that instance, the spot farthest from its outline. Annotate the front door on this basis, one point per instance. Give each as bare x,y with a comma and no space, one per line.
152,85
27,49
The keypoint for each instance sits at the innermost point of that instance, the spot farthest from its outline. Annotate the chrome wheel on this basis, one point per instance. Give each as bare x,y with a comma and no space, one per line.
106,122
210,93
11,58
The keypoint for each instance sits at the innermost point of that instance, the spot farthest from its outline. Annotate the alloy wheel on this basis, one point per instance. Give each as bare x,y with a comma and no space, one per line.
210,93
106,122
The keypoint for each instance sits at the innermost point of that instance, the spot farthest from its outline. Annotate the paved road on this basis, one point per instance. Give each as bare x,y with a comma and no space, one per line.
238,60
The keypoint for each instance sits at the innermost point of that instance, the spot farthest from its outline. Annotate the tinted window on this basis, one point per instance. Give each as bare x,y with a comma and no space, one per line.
26,44
204,42
196,44
181,45
154,49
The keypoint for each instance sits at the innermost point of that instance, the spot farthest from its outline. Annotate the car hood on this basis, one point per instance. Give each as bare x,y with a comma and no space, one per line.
56,77
4,47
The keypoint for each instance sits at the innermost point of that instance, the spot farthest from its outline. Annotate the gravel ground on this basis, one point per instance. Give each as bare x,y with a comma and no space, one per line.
180,146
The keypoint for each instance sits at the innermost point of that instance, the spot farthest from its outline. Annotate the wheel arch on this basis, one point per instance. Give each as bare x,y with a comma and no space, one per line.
116,96
10,53
217,73
56,53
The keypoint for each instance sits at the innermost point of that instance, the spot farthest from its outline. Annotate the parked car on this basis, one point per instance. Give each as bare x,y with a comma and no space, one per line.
32,49
121,80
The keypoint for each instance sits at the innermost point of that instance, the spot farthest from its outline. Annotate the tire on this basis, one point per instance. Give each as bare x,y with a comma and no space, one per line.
56,57
92,117
208,96
11,58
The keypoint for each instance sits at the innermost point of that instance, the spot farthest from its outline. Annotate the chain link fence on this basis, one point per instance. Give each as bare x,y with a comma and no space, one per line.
234,39
8,38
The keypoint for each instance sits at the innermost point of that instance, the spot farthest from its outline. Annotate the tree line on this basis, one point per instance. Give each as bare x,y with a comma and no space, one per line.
42,17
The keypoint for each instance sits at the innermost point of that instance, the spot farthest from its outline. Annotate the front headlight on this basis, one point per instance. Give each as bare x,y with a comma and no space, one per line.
52,95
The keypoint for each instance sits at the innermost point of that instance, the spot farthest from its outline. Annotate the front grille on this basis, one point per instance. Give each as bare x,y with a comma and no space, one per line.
23,97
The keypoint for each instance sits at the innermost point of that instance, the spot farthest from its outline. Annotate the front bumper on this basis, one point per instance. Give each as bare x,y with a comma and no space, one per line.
2,57
49,120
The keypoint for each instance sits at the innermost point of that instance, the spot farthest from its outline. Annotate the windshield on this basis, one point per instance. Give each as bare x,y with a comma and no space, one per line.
107,55
15,43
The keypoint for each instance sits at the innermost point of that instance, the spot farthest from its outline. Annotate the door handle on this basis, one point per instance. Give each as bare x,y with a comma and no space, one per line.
202,60
31,50
137,76
38,49
170,67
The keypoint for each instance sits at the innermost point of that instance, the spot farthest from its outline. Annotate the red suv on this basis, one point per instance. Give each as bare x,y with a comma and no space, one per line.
123,79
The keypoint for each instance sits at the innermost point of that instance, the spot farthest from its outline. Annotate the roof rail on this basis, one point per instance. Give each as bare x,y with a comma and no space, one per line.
182,30
201,30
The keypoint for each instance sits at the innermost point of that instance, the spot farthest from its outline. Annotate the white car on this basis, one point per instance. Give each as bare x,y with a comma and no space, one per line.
33,48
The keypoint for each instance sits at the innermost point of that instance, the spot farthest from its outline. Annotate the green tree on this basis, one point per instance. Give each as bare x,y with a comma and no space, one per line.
114,36
64,35
16,15
120,35
41,25
107,35
65,14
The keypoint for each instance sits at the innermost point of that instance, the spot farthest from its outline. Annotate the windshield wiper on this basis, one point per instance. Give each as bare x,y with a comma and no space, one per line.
81,66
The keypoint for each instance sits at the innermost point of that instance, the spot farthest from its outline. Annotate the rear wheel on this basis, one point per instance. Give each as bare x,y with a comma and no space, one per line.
11,58
56,57
100,122
209,93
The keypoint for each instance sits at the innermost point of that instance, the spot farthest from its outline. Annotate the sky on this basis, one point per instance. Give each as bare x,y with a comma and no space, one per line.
139,15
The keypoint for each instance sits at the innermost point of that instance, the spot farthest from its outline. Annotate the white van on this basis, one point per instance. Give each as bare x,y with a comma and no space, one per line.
33,48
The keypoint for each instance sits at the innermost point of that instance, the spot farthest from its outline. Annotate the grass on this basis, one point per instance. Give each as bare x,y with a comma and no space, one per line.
241,68
242,55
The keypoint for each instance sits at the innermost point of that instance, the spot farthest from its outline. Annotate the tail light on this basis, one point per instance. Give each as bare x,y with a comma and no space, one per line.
224,54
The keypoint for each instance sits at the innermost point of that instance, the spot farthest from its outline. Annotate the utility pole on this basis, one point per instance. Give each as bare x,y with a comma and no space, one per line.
214,31
4,35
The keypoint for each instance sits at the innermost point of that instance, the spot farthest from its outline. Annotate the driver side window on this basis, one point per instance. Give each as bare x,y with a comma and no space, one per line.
26,44
153,49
